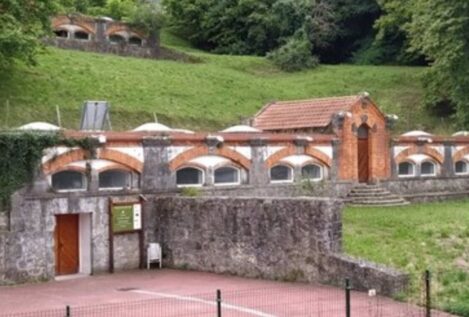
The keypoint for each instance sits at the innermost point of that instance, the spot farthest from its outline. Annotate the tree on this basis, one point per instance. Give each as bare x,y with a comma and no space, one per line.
439,29
237,26
23,23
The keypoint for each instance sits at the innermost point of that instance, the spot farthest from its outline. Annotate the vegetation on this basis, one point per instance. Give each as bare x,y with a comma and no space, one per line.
414,238
209,95
21,155
22,24
436,29
295,55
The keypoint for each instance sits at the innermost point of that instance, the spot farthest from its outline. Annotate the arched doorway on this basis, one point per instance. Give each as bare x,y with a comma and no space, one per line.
363,153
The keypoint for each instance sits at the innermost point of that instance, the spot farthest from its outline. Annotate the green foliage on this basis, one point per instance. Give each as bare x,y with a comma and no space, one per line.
295,55
147,17
190,192
439,30
21,155
415,238
22,25
237,27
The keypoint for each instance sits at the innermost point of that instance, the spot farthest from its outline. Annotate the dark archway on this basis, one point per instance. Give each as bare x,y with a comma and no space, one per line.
363,153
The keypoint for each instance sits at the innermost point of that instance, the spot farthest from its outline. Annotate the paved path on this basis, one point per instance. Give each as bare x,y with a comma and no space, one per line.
167,293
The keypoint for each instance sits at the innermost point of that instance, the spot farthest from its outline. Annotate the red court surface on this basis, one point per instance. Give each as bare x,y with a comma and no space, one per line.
171,293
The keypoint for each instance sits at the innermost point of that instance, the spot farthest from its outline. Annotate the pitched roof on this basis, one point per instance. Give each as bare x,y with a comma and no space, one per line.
312,113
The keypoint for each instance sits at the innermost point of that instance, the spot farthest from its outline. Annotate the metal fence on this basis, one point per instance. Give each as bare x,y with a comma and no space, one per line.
286,300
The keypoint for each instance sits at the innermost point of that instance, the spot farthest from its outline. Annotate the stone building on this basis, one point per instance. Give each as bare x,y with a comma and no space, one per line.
102,35
322,147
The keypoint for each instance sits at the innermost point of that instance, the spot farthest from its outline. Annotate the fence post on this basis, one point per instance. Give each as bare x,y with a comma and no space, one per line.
218,303
428,299
347,297
67,311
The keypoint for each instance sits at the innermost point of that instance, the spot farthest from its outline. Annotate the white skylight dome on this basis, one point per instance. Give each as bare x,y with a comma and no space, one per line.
461,133
39,126
416,133
183,131
241,128
153,127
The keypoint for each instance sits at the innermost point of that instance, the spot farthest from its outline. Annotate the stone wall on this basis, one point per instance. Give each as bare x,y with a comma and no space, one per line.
430,188
311,189
27,250
295,239
122,49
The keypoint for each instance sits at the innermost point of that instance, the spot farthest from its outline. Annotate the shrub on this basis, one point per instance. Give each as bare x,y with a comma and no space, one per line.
294,55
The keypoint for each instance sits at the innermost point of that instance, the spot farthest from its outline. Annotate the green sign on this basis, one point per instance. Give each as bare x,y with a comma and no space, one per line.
126,218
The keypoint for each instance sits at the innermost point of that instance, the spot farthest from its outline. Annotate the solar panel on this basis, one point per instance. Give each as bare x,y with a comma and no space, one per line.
95,116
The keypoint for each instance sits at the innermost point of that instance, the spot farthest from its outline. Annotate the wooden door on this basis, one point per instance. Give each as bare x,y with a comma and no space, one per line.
66,244
363,154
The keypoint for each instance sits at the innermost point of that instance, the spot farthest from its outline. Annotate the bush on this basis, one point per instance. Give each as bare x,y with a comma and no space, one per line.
295,55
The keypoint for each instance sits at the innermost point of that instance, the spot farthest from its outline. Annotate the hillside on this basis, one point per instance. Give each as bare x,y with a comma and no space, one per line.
209,95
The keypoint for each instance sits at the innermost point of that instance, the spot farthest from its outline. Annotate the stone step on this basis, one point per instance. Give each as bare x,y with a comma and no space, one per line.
374,194
405,203
377,201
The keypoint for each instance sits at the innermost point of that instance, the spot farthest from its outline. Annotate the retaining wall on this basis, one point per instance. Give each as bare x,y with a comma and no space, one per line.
295,239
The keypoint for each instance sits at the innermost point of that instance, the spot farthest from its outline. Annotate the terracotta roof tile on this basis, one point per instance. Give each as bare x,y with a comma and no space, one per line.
313,113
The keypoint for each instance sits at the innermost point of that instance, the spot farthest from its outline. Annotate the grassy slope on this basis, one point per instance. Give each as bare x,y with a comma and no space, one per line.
208,95
414,238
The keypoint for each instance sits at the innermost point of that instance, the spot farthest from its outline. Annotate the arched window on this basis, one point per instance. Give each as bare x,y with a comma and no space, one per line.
189,176
311,172
135,41
80,35
116,39
428,168
68,180
461,167
406,169
227,175
281,173
115,179
61,33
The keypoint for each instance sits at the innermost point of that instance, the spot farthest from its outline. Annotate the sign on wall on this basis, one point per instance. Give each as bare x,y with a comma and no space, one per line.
126,218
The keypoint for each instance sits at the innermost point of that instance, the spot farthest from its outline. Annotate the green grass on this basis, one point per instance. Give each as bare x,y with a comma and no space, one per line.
414,238
209,95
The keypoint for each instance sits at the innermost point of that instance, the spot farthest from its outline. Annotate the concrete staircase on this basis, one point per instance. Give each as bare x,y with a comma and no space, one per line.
371,195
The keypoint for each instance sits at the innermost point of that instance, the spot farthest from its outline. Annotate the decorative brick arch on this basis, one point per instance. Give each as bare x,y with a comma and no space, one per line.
277,156
459,155
87,28
403,156
320,156
185,157
58,163
121,158
291,150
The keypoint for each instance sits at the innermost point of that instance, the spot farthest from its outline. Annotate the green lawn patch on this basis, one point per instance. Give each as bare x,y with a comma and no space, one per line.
207,96
414,238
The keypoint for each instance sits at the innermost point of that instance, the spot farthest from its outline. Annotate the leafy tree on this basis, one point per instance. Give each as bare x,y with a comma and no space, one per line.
439,29
22,25
353,29
237,26
294,55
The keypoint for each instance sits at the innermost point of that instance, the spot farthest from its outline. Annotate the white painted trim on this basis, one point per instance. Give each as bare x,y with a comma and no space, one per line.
191,185
280,181
238,171
435,167
407,175
321,171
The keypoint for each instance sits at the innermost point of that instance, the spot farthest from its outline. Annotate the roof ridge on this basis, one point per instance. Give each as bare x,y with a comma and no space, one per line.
316,99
